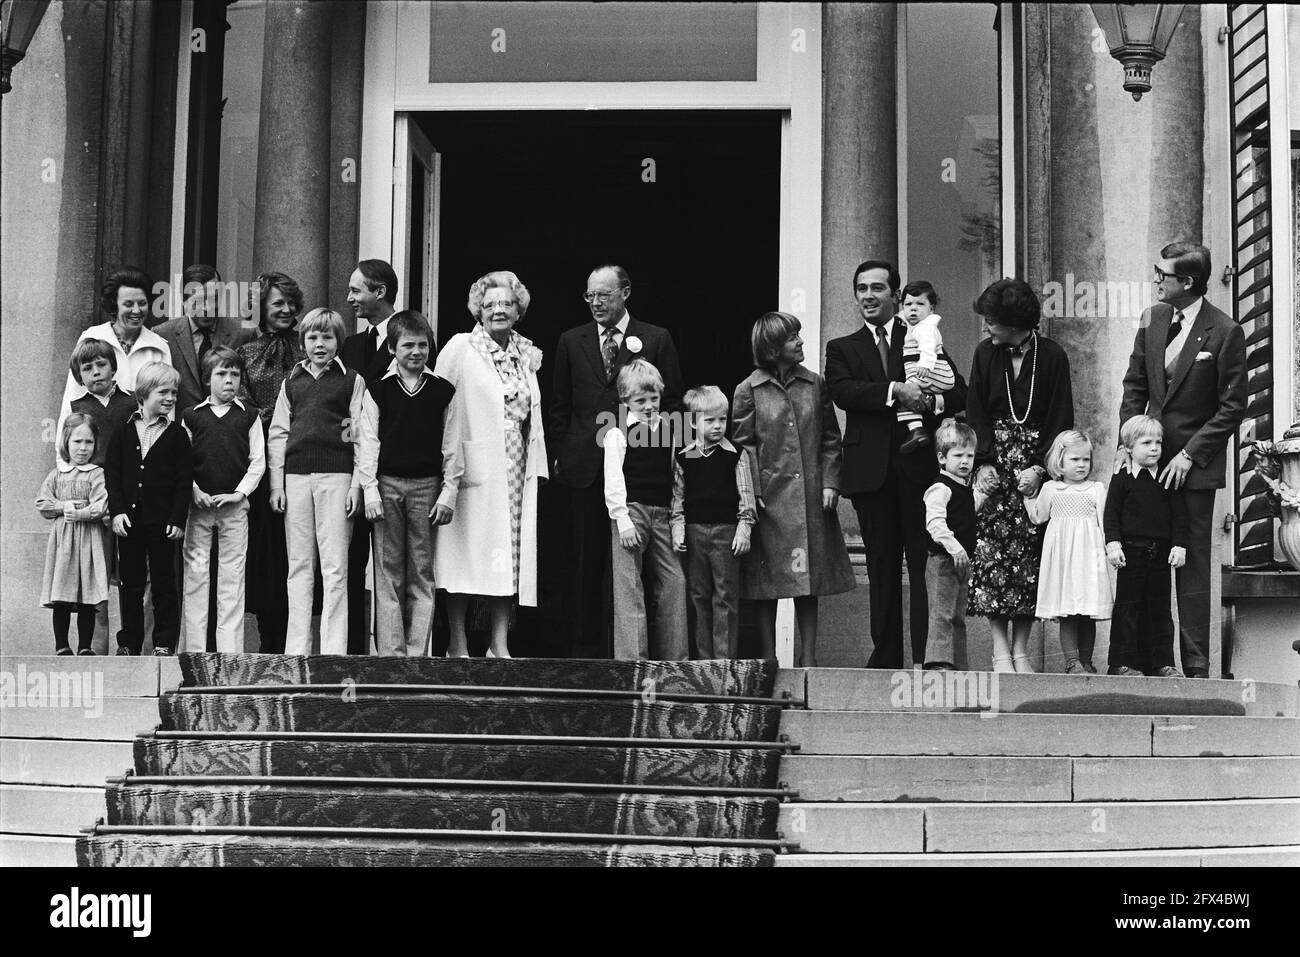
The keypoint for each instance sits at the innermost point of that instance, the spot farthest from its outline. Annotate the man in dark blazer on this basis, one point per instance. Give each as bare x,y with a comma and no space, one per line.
587,361
864,372
372,292
1188,369
189,337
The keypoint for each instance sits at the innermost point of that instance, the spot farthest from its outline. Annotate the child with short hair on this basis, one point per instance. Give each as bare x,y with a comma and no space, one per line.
403,421
94,366
950,507
76,564
1146,529
923,359
149,471
317,479
229,459
712,515
1073,580
638,494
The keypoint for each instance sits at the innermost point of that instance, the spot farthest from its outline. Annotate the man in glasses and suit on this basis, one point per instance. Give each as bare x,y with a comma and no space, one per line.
1188,369
587,362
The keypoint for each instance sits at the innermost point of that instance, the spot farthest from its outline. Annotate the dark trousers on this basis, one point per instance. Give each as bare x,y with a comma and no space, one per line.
1194,582
1141,629
147,557
893,526
593,589
358,556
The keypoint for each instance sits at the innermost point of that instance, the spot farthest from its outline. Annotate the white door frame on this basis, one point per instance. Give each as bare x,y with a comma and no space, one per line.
414,155
789,78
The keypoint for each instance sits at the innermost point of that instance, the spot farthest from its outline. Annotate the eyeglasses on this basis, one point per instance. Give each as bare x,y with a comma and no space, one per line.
1161,275
600,297
502,303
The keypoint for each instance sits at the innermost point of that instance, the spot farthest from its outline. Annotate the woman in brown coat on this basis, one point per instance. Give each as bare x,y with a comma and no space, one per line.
783,419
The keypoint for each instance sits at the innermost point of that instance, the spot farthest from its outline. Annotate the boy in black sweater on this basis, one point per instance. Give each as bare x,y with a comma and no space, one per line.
148,471
1146,536
401,437
950,507
712,516
229,459
94,365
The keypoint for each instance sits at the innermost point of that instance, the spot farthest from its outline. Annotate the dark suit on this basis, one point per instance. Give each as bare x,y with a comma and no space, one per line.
581,393
226,331
1200,405
886,487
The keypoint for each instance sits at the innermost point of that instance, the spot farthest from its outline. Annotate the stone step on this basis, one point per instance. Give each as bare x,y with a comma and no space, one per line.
938,733
97,719
853,778
876,689
1003,828
1193,857
28,850
36,809
109,677
76,763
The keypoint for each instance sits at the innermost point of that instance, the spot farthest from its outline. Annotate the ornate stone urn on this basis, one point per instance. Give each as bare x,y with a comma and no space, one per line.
1278,463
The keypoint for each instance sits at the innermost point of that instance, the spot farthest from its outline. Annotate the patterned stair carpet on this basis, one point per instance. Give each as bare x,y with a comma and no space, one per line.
276,760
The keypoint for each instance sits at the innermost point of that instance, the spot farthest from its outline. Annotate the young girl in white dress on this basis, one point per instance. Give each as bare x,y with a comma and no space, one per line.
76,559
1073,579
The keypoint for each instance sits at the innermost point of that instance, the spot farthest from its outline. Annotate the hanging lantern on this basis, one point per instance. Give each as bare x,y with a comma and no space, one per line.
1138,35
18,22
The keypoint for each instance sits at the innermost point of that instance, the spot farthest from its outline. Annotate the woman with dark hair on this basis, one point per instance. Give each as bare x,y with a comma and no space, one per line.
1019,400
782,418
267,360
127,296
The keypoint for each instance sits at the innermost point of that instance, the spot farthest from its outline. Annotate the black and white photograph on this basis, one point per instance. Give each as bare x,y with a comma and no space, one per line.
651,434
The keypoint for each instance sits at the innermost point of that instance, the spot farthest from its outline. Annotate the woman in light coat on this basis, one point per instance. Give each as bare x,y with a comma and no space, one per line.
494,453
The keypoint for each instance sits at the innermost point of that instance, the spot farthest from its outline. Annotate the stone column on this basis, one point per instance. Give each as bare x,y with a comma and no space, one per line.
346,57
292,232
859,151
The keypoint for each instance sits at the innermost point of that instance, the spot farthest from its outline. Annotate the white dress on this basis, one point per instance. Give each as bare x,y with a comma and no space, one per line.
1073,576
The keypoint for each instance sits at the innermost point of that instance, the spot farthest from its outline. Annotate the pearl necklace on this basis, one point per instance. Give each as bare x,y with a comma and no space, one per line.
1033,375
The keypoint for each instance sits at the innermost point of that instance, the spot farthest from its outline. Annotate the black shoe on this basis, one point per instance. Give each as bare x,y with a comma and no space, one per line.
163,653
61,652
86,653
1124,671
919,440
124,652
1197,673
1169,671
939,666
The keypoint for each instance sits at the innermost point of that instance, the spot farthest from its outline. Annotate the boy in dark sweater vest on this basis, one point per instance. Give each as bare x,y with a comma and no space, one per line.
148,471
712,518
1146,535
316,479
950,507
229,459
638,493
403,413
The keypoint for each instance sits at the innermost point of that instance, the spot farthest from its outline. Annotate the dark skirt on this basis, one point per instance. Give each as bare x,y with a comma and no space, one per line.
1004,570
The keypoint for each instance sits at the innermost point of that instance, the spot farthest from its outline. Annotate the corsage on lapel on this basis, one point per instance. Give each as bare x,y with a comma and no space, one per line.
633,344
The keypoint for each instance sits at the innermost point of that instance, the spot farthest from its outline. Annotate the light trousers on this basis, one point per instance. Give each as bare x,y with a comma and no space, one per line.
403,556
228,525
316,524
667,641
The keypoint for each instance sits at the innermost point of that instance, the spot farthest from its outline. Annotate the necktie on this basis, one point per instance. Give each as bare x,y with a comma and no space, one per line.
372,344
609,351
1175,328
882,345
205,343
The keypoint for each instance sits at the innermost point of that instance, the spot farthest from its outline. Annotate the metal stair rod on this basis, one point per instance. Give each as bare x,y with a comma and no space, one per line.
397,737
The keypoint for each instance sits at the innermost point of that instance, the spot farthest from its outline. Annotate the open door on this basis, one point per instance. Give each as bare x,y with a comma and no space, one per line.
416,204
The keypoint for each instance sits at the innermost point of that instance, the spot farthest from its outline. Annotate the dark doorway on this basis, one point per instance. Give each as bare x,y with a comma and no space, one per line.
687,201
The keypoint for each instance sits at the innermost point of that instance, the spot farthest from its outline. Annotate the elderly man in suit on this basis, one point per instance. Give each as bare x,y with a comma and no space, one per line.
587,361
1188,369
189,337
887,487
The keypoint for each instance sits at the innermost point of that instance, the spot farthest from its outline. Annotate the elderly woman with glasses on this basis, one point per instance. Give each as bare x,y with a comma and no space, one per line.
494,455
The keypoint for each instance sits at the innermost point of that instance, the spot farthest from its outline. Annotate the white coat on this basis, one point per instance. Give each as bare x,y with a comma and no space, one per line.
472,554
